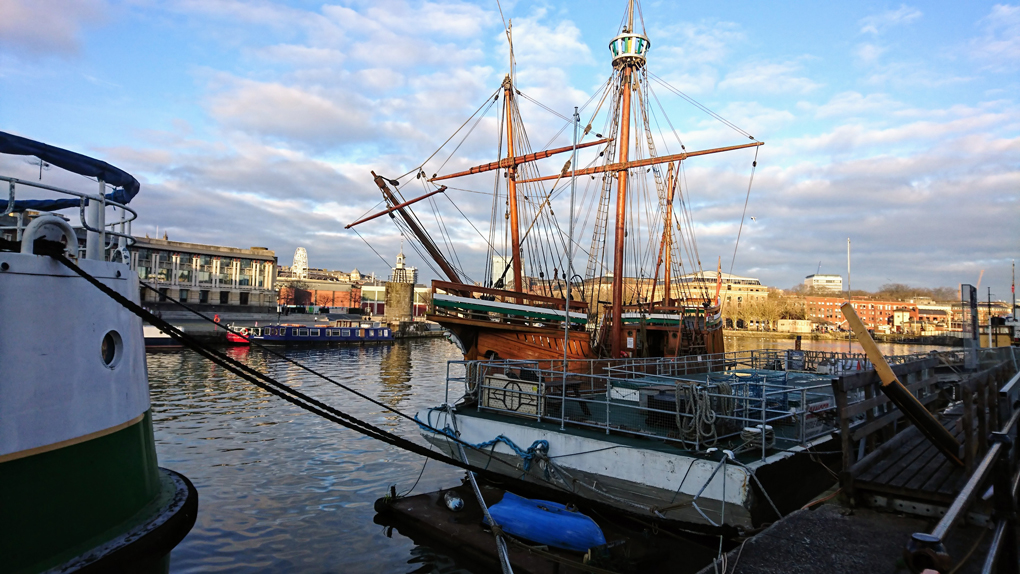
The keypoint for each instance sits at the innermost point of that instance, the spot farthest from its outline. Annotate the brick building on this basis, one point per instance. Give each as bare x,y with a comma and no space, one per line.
876,315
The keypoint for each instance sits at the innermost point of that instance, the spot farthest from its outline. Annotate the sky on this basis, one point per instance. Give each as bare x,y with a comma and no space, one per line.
896,125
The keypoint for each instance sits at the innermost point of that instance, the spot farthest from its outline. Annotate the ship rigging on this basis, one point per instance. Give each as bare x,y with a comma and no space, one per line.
637,291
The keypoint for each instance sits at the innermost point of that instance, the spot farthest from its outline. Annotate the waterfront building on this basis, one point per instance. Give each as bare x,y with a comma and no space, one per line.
300,265
735,290
877,315
829,283
201,274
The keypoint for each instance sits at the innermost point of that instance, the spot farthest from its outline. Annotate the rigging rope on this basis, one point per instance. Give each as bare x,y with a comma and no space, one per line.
754,166
265,382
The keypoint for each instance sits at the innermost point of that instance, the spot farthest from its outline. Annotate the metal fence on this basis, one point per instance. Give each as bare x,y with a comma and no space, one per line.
731,401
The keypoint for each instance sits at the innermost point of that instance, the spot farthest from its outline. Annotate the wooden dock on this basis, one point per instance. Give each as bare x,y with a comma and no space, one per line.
887,464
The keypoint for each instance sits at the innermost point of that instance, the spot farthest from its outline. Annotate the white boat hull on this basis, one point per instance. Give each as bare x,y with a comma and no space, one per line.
645,481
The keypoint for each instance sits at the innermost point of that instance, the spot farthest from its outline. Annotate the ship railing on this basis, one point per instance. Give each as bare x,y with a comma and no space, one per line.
102,239
750,411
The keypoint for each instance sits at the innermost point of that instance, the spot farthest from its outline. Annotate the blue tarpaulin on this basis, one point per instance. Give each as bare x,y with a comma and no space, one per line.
125,184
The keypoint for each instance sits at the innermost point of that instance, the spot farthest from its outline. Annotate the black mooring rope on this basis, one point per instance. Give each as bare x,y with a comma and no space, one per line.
55,250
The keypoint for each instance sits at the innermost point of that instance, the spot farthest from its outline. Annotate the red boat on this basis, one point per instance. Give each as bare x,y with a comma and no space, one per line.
238,338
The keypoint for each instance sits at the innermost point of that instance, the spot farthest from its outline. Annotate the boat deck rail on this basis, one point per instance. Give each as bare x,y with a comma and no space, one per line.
113,238
733,406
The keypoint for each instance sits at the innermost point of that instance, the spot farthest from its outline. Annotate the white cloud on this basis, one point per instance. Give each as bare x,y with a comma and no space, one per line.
302,56
292,114
853,104
869,53
766,77
33,28
999,45
541,45
879,23
688,45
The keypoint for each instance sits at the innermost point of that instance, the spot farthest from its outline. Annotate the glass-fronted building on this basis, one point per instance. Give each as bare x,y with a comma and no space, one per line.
205,274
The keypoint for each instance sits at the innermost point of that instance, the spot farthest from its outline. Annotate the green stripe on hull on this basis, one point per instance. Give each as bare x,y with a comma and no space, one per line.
505,311
59,504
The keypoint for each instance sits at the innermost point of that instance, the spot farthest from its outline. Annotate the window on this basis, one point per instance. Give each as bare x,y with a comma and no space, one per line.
182,295
203,296
224,297
347,332
244,297
313,332
301,332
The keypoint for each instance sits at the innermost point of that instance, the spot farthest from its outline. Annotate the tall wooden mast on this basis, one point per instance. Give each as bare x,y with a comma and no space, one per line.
629,51
667,235
511,185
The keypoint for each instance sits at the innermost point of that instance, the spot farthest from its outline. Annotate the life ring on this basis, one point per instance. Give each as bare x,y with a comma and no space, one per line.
243,331
216,318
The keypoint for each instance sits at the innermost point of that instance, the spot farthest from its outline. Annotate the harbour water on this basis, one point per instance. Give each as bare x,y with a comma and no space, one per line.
283,490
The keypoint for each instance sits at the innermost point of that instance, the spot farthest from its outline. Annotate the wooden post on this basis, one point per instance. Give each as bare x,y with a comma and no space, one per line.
968,428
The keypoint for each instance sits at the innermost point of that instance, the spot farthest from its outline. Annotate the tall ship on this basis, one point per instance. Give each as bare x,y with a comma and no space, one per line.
80,487
609,385
630,218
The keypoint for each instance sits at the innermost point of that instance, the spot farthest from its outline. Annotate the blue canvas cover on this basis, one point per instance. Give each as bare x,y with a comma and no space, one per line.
125,184
546,523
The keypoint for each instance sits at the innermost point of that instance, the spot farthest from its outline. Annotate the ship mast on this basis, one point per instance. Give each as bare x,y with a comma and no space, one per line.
511,185
629,51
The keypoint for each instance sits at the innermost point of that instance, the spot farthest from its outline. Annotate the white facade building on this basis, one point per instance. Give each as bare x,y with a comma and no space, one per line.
832,283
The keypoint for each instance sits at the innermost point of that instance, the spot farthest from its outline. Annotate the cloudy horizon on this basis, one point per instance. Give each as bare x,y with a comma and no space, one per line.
258,123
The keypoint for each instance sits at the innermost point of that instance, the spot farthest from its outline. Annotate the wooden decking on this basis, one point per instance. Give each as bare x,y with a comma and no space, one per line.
913,468
890,463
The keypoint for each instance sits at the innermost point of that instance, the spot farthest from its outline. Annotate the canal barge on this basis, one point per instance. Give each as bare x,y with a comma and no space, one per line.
337,332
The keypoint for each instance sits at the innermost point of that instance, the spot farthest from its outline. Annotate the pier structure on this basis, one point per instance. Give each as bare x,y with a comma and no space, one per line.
899,499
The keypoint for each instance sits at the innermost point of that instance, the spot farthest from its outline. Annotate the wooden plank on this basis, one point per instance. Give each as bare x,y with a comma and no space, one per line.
858,380
935,482
907,465
924,474
904,454
881,453
868,428
557,303
968,430
858,408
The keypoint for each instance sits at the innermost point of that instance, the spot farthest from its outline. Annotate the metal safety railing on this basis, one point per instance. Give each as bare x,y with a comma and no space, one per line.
91,215
726,402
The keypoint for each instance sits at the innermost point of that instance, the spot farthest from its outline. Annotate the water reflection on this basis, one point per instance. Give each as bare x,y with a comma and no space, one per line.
284,490
395,371
281,489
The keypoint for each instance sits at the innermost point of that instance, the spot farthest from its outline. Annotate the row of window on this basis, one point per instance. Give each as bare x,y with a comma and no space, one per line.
308,332
203,296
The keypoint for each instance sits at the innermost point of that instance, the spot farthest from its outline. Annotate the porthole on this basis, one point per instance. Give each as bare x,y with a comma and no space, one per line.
111,349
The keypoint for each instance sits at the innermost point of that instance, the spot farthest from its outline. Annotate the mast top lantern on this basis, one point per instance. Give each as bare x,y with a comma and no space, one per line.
629,48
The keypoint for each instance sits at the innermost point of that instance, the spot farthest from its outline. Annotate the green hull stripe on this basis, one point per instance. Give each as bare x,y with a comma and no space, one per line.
504,311
59,502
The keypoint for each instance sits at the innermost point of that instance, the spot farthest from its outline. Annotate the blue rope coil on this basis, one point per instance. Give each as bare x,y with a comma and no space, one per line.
539,447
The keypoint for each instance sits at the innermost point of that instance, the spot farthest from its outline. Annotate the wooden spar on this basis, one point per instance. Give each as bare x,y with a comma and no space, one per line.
616,332
671,183
514,161
395,207
665,244
511,185
617,167
419,233
908,404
